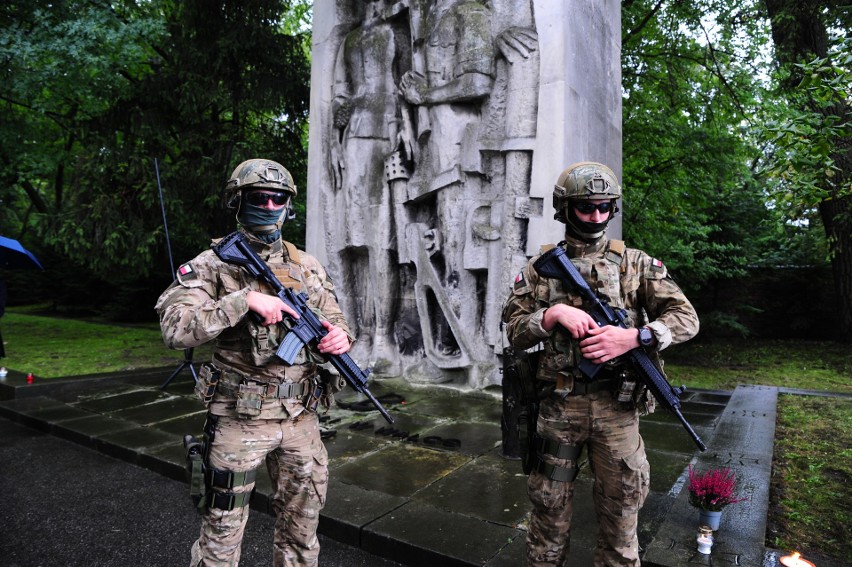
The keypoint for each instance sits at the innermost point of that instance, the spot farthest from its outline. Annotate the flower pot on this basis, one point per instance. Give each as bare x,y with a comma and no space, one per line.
710,518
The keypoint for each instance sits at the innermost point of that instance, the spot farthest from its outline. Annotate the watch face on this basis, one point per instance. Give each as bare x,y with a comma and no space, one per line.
645,336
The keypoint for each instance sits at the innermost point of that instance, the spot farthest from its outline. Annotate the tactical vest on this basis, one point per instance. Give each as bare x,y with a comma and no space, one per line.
603,272
255,341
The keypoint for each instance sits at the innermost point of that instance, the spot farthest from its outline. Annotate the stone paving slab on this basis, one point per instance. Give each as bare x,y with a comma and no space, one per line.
431,489
350,509
417,534
743,441
87,430
400,469
469,490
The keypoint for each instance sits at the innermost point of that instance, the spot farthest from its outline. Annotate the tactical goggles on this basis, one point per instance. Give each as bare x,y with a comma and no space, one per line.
587,208
260,198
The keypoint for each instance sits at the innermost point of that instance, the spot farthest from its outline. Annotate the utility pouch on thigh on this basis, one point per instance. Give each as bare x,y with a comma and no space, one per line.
249,400
205,386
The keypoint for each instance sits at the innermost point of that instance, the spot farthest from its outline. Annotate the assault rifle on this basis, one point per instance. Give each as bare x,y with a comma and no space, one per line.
307,329
555,264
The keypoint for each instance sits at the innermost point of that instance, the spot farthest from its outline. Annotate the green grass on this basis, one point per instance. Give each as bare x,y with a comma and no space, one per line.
52,347
810,508
722,365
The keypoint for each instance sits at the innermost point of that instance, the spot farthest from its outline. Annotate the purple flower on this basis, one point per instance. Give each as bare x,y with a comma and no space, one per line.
712,490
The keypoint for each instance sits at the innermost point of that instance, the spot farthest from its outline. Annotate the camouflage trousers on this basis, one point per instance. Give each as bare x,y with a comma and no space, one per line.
616,455
298,467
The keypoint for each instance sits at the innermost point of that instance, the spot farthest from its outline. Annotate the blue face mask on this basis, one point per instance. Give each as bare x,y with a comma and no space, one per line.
252,216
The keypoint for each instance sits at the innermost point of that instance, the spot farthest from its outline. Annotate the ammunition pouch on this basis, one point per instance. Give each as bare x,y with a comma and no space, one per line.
632,394
250,394
331,378
208,380
249,399
328,383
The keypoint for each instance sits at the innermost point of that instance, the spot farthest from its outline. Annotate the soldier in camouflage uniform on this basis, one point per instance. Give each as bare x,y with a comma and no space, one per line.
601,415
257,407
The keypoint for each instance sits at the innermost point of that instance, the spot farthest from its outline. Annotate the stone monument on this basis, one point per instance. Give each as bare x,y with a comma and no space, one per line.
437,131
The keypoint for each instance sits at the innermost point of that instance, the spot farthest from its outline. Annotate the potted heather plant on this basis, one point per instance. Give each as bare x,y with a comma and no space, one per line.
710,492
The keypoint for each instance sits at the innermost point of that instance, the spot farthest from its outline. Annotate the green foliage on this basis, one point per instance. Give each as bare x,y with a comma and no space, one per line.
802,136
809,365
689,83
95,92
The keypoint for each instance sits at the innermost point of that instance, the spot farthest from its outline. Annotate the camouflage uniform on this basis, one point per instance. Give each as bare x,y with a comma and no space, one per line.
577,414
208,301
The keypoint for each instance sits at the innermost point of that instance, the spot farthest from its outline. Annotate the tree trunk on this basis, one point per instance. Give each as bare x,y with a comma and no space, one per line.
837,218
799,32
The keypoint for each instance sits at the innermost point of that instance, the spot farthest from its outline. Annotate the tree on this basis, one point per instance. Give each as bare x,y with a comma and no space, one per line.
95,90
809,136
689,93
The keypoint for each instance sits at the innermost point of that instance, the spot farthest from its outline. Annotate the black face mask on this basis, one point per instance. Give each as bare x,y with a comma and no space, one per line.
588,231
252,215
262,222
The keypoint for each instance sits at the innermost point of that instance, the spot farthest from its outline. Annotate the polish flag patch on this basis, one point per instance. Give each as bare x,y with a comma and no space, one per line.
185,269
657,265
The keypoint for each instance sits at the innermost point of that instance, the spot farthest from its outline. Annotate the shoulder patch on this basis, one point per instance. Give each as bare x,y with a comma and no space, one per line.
185,272
657,266
521,284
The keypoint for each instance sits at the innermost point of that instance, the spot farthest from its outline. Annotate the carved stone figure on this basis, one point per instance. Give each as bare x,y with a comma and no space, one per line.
428,149
366,129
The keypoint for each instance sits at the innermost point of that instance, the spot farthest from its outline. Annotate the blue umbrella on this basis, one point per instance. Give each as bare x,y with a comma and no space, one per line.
13,255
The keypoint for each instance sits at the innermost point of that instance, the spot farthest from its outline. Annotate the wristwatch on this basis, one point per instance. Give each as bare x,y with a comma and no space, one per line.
646,336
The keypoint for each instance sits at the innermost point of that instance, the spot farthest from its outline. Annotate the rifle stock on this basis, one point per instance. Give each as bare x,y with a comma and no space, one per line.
307,329
555,264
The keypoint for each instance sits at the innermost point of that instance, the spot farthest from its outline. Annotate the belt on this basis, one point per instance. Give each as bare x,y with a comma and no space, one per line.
584,388
267,390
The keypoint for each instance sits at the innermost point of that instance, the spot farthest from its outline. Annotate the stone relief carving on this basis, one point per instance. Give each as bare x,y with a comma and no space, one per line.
429,148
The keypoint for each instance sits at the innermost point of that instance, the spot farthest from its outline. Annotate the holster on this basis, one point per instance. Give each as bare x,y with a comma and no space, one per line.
522,393
197,453
195,471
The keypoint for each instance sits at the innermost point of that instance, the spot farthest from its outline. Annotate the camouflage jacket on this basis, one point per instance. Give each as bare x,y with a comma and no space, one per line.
208,302
628,278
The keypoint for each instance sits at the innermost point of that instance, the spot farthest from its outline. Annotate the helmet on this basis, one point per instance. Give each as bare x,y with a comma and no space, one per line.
258,174
584,180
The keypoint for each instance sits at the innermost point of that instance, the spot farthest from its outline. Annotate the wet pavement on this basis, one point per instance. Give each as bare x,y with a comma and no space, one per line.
65,505
433,488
